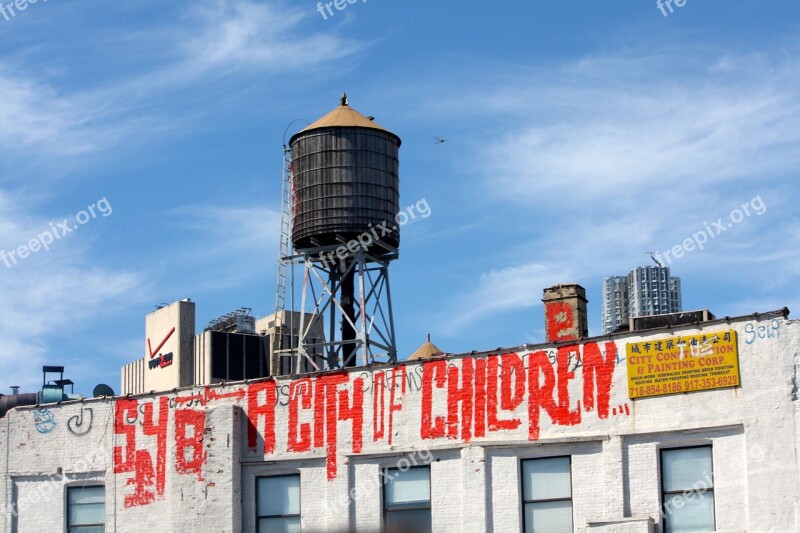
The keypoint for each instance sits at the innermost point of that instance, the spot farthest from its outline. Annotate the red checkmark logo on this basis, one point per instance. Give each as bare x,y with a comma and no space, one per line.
154,352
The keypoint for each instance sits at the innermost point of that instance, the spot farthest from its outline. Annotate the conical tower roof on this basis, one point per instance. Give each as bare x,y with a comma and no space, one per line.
344,116
426,351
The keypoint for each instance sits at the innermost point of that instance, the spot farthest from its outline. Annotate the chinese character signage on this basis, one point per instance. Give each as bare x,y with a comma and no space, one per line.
683,364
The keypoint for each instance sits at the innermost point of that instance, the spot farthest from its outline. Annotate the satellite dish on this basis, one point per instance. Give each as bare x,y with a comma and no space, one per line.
102,390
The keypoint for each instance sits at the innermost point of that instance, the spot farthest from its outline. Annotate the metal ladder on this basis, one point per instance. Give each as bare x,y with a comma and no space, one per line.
283,261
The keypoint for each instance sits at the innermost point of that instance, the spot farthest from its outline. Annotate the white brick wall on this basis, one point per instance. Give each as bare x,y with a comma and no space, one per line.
5,496
166,477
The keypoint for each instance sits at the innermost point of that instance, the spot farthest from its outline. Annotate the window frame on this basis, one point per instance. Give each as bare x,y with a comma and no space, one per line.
665,494
386,472
68,525
300,500
547,500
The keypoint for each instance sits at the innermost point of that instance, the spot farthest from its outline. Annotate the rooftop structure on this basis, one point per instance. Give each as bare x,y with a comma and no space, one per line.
645,291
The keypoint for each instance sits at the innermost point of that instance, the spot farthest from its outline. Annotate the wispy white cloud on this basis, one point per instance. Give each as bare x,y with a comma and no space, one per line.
50,292
613,130
215,44
41,300
33,115
616,155
213,48
245,34
498,291
226,246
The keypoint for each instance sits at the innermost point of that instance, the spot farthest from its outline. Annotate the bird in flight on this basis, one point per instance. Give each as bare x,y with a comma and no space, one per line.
439,140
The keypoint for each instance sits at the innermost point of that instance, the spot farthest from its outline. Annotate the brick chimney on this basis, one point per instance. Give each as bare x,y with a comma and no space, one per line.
565,316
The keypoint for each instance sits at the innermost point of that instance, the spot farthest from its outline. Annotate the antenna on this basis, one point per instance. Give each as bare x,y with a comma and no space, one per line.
655,259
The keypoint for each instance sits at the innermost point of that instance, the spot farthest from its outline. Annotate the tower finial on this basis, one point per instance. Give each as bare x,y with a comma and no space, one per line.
345,100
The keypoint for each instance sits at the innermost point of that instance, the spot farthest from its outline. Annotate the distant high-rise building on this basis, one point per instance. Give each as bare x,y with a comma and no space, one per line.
645,291
615,303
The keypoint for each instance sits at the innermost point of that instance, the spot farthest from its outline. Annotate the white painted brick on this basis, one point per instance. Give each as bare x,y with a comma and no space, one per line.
475,485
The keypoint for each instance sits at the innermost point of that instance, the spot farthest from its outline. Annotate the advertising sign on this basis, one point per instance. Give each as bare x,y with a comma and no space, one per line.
683,364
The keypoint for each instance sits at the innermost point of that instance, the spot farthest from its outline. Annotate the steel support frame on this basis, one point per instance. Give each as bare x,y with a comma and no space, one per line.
321,298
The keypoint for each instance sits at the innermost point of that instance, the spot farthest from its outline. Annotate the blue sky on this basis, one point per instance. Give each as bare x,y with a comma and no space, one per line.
580,135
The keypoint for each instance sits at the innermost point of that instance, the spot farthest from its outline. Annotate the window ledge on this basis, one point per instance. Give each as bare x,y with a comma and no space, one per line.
624,520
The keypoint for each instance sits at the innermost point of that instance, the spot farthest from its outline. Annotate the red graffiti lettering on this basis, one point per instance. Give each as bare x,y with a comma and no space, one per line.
320,388
189,453
598,371
159,431
560,322
354,412
483,395
393,405
299,434
460,395
143,478
512,390
125,456
512,377
434,371
326,417
540,395
148,482
257,408
565,417
378,405
212,394
480,398
197,399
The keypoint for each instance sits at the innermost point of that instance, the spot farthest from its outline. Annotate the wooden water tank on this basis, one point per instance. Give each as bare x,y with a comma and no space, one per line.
346,181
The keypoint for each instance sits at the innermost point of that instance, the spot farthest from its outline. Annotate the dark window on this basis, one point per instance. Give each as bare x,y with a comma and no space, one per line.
547,495
278,504
407,500
86,509
687,482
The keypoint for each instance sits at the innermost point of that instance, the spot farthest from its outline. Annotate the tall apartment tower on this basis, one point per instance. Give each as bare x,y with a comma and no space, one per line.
645,291
615,303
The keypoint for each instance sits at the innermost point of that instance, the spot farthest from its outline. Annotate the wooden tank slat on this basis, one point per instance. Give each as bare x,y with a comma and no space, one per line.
344,180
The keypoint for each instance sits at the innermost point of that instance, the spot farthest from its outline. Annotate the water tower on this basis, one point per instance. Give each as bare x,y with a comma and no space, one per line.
341,197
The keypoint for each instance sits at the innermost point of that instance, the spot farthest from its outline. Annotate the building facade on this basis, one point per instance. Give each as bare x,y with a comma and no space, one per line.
587,435
645,291
235,347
